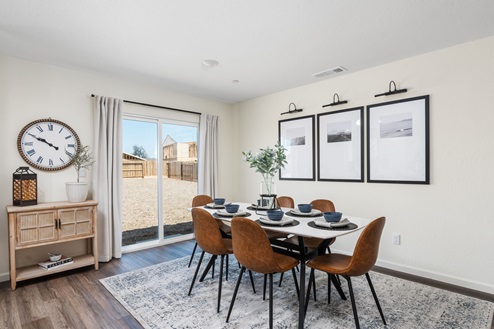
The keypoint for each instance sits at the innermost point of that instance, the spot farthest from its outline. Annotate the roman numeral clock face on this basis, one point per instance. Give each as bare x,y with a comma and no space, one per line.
48,144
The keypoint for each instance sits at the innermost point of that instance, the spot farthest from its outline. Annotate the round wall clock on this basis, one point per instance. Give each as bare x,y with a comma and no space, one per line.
48,144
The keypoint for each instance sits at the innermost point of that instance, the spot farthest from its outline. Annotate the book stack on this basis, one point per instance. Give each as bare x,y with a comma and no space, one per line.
49,265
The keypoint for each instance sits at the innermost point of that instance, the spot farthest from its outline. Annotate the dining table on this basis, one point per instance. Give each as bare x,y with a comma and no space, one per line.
294,222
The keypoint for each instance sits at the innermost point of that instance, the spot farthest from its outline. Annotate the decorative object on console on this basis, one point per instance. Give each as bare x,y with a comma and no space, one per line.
295,110
24,187
267,162
297,136
48,144
392,92
336,101
77,191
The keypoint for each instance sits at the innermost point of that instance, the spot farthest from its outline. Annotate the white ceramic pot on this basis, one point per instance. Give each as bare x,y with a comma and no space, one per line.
76,192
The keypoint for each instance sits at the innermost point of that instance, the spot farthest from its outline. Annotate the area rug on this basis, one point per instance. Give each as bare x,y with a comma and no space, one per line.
157,297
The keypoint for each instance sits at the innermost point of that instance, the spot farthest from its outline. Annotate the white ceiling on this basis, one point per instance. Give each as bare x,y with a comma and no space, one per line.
268,45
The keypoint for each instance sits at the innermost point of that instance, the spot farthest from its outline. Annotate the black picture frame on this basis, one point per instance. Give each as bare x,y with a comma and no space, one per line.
297,136
340,145
398,141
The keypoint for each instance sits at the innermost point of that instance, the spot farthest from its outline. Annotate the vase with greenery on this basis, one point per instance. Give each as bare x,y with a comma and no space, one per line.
267,162
82,159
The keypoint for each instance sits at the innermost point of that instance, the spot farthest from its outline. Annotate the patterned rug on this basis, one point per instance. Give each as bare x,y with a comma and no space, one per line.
157,297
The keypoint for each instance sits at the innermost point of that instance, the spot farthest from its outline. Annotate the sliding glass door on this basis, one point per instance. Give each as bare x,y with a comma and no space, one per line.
159,179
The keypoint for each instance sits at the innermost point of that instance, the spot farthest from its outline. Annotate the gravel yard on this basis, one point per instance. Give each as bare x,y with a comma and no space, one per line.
140,204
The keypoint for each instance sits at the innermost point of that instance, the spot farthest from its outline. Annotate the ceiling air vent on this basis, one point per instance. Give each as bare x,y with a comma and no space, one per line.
329,72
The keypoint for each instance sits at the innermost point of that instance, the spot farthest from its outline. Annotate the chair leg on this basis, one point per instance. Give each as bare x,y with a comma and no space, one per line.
337,286
375,297
220,279
352,298
329,288
197,271
314,286
264,287
227,261
208,267
281,278
192,256
270,300
296,282
252,281
235,293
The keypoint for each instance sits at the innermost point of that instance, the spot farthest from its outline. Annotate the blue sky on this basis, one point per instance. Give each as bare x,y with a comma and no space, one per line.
144,134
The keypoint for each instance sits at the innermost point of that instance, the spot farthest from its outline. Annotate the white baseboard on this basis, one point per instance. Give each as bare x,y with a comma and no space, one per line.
457,281
4,277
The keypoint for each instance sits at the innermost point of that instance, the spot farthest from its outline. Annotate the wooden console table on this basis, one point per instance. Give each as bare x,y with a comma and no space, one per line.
51,223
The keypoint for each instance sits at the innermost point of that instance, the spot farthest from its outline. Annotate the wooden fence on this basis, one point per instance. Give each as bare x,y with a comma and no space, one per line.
177,170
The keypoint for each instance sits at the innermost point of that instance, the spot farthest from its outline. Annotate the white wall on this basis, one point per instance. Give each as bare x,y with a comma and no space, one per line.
30,91
447,227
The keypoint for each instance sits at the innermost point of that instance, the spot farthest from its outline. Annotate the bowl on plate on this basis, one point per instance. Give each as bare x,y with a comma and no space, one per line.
305,207
219,201
275,214
332,217
231,208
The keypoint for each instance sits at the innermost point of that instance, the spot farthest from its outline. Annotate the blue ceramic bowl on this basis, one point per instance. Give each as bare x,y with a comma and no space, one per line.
305,207
231,208
274,214
219,201
332,217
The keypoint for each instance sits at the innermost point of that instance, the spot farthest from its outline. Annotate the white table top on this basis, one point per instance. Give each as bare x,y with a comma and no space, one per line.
303,229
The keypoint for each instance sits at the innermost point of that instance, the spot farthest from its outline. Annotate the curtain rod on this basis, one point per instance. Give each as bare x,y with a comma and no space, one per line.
157,106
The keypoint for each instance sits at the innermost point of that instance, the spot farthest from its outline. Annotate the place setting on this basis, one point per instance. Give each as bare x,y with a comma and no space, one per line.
332,221
231,210
304,210
276,218
217,204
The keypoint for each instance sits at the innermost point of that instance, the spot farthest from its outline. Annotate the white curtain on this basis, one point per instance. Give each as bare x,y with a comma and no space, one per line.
208,155
107,175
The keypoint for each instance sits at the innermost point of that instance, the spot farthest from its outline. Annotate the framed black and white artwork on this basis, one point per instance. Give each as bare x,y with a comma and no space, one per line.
398,141
341,145
297,136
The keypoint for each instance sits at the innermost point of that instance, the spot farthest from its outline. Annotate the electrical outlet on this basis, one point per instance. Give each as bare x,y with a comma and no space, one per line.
396,239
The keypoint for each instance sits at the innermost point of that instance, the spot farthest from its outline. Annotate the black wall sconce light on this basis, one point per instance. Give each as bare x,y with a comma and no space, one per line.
392,92
336,101
290,111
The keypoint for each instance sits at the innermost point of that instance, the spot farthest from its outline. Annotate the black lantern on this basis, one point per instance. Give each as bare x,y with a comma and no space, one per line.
25,187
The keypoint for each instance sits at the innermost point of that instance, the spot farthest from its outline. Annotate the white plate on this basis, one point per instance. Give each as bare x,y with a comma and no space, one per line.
322,222
216,206
225,213
284,221
313,212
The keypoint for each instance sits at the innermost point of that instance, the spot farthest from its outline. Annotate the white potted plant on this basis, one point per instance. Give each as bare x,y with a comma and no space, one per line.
77,191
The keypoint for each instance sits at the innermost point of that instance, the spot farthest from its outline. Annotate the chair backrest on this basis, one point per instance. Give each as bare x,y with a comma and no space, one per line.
367,248
285,202
207,232
251,247
323,205
201,200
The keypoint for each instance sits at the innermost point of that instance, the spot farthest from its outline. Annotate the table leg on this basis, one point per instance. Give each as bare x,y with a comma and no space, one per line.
301,302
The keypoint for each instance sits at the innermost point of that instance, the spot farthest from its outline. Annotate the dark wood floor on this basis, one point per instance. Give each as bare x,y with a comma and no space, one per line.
76,299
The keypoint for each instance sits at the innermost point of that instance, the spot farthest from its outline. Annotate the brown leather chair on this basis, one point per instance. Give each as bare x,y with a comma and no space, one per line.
254,252
209,238
202,200
285,202
363,259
